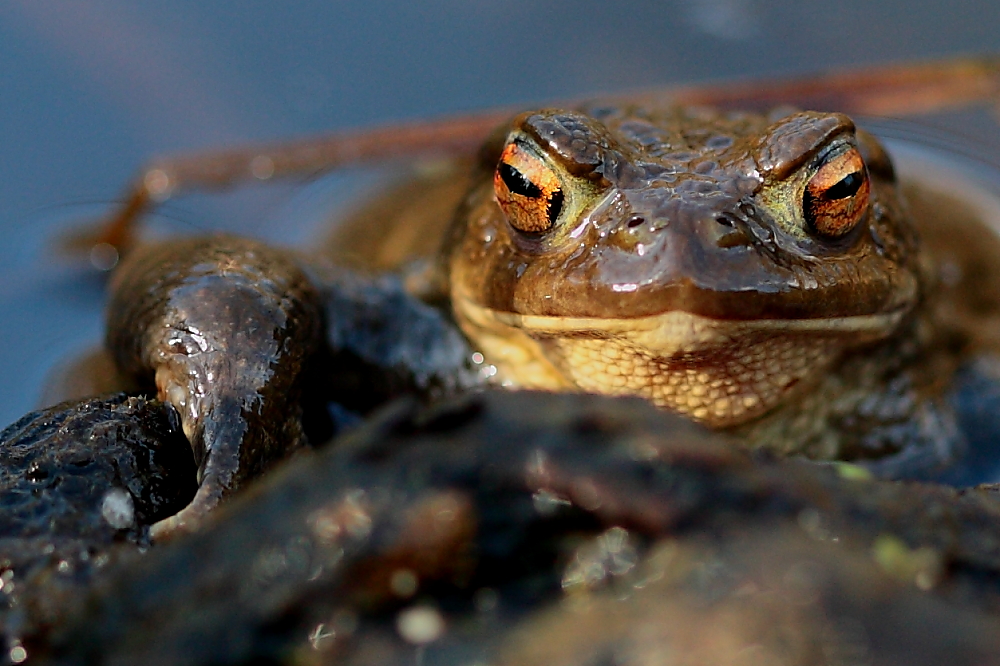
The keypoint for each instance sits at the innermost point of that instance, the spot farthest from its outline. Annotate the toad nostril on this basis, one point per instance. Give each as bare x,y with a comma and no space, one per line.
635,221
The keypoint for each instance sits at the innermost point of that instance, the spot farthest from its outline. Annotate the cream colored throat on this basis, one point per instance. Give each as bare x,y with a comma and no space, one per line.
722,373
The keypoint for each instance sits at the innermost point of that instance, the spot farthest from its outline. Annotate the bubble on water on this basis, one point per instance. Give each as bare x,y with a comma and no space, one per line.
104,256
18,654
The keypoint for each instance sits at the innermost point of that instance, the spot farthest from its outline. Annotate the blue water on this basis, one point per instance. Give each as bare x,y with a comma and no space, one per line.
88,91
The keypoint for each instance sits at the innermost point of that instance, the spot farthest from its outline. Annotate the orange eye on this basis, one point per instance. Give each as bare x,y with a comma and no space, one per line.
529,192
836,198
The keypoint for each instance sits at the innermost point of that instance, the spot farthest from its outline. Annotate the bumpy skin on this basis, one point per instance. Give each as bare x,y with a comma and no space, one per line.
682,268
223,327
710,243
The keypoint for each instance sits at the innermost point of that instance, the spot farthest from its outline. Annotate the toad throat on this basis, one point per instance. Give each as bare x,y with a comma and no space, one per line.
719,372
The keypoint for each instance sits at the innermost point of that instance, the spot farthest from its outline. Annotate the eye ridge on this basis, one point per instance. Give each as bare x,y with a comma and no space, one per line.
517,183
846,187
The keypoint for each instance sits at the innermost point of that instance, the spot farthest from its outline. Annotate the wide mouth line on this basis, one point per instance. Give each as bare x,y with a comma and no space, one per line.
679,320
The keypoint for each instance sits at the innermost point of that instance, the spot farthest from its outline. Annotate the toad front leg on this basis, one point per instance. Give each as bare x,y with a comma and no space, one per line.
223,326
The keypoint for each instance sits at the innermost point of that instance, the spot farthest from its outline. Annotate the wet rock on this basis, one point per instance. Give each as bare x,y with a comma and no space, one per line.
768,596
383,343
530,528
77,481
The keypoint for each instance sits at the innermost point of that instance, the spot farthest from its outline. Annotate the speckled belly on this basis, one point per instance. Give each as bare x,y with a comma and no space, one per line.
719,385
721,373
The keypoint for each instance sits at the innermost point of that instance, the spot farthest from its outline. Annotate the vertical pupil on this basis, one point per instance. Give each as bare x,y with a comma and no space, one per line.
517,183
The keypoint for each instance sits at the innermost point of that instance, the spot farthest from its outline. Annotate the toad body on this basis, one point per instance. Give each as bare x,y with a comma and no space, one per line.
757,273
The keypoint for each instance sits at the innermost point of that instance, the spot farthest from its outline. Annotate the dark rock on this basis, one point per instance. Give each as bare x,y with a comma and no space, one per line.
77,482
557,529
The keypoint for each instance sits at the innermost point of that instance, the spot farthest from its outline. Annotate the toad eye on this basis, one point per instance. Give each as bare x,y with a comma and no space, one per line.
528,190
836,197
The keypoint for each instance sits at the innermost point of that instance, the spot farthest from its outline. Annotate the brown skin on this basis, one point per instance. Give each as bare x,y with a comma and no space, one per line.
830,341
690,196
678,220
222,327
689,257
